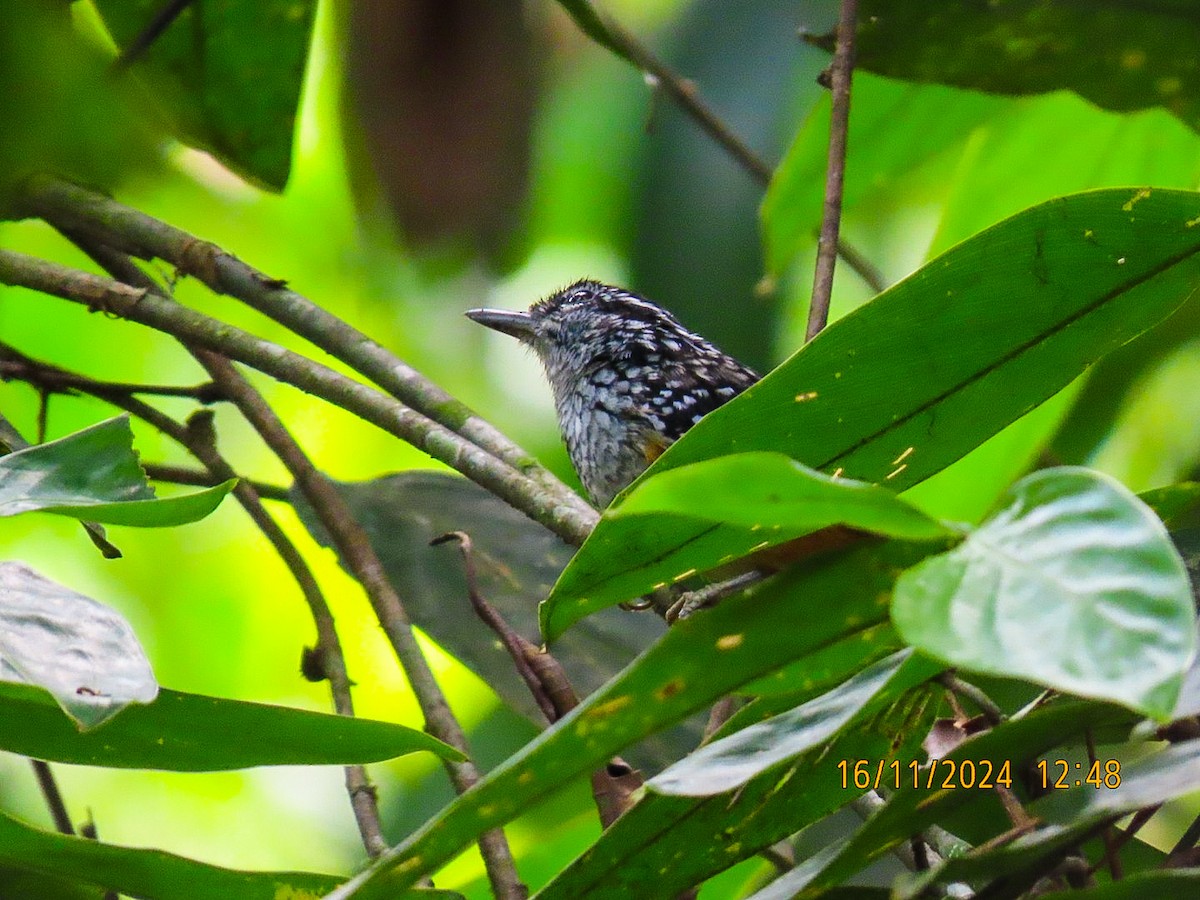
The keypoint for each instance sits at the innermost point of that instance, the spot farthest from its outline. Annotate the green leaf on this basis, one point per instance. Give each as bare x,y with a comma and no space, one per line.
94,474
697,517
181,732
674,842
1175,504
228,75
928,370
695,662
1031,46
149,874
81,651
816,674
1076,560
729,763
910,810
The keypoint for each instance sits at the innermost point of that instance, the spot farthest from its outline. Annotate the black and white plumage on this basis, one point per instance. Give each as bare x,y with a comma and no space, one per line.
628,379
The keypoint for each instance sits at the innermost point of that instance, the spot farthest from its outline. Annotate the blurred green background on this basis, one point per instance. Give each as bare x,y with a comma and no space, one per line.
446,158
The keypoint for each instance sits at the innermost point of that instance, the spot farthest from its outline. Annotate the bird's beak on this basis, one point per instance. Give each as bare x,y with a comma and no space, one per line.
517,324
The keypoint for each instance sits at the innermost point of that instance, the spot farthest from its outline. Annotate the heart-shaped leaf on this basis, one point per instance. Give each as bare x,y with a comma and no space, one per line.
1073,584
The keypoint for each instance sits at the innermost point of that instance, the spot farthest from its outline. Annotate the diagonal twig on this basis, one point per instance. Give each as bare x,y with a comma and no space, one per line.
613,786
77,210
197,439
570,521
613,36
203,478
52,796
200,439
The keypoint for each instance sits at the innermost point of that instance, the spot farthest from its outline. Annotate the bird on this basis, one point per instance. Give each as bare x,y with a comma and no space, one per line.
628,379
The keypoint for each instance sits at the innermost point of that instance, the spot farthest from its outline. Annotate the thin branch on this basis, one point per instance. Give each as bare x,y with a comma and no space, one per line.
939,844
88,830
1188,839
839,122
519,649
1124,836
572,522
611,35
353,546
64,382
201,440
203,478
198,439
1017,815
52,795
75,209
613,786
861,266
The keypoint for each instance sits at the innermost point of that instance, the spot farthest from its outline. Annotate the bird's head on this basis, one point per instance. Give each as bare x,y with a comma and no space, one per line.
588,325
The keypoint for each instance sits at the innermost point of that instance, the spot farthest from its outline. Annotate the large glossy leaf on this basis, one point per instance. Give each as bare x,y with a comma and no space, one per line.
674,842
516,562
926,371
1119,54
229,75
1076,560
697,517
148,874
81,651
94,474
702,658
730,762
911,809
193,733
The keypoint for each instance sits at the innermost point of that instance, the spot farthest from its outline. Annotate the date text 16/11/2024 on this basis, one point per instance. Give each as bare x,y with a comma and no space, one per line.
948,774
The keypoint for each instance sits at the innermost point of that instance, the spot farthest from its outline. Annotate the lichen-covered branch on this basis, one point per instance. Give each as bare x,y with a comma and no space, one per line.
570,519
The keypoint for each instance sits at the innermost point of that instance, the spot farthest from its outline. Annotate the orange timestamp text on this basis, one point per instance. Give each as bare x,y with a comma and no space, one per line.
1059,773
967,774
942,774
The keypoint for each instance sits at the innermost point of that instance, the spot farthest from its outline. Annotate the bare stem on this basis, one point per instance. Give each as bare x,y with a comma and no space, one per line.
197,438
839,122
611,35
985,704
201,439
518,647
354,548
572,521
64,382
52,795
75,209
203,478
613,786
159,23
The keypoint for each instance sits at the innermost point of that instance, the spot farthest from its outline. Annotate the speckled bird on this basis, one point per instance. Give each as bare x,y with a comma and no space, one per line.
628,379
